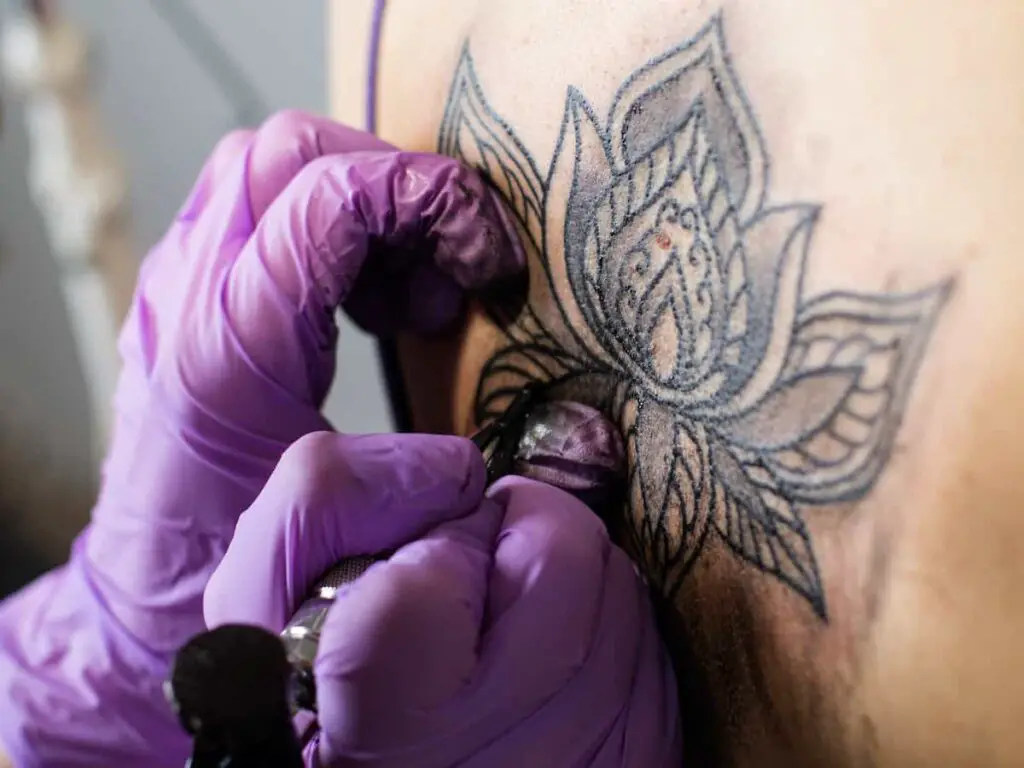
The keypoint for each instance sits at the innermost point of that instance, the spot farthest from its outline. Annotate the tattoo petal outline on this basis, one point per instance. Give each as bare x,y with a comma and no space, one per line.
476,135
756,520
742,401
875,341
697,72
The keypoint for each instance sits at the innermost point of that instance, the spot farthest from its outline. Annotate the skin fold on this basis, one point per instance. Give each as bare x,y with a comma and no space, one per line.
829,603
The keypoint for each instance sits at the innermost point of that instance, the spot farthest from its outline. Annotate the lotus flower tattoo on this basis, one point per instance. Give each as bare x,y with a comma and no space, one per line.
666,290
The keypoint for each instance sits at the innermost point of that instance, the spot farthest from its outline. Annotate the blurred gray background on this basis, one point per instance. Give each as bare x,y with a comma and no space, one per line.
171,77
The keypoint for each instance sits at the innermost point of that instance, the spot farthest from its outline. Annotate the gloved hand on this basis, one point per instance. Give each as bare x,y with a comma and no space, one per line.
228,353
517,635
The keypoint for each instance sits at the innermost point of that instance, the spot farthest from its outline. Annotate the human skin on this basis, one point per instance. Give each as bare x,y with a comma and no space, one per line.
903,122
901,125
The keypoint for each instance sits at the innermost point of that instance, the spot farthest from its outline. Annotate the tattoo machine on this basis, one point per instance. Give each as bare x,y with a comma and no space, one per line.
242,720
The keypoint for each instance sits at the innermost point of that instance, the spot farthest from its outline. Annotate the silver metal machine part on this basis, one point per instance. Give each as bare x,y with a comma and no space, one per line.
302,634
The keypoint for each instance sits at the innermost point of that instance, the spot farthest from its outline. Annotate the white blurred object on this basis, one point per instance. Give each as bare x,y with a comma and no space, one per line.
80,189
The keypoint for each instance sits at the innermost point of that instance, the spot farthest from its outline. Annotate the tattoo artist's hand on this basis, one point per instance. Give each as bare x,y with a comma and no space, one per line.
228,353
517,635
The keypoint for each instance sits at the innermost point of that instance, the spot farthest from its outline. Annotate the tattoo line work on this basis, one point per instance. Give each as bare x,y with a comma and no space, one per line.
667,288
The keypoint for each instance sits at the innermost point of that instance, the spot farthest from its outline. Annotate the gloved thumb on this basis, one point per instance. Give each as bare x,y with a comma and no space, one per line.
463,634
402,642
332,497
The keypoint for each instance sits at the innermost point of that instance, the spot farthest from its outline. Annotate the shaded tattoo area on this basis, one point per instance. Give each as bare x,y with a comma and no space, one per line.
664,287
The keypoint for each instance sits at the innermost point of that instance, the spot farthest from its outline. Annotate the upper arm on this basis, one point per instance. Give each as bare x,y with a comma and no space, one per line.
783,250
348,36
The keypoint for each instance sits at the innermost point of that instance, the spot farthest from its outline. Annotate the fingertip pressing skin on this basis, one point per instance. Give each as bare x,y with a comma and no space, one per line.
368,230
474,256
347,205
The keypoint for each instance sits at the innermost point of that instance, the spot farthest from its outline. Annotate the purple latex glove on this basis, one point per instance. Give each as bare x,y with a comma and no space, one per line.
517,635
228,352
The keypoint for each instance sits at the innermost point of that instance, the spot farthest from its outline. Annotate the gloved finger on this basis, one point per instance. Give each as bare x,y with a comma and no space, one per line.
160,269
470,634
287,142
227,151
400,290
281,147
401,641
547,592
309,248
331,497
249,169
618,702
